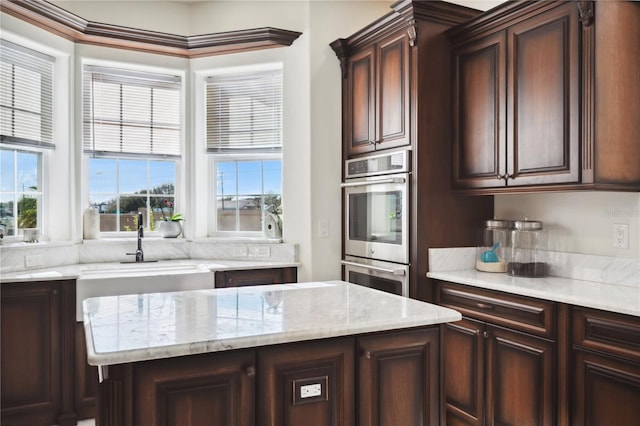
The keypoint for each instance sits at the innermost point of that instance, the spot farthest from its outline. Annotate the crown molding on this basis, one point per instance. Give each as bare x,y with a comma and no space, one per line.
72,27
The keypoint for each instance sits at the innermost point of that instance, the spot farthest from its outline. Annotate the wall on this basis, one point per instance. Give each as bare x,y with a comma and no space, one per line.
578,222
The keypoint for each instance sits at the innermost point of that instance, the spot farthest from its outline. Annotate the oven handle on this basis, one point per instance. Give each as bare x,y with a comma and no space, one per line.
398,271
372,182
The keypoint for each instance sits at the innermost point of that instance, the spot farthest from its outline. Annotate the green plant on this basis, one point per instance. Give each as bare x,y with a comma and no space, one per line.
169,215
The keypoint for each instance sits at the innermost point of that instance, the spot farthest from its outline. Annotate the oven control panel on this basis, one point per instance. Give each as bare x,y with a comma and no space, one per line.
378,164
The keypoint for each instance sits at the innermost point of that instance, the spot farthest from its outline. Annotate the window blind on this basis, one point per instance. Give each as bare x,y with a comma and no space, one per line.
26,96
130,113
244,112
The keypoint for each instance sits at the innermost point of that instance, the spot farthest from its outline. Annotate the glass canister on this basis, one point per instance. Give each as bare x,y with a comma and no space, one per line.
528,254
493,246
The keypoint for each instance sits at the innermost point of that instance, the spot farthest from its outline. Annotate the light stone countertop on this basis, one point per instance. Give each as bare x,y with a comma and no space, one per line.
621,299
76,271
130,328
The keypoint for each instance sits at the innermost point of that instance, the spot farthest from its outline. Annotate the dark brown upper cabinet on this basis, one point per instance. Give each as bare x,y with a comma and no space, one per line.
378,95
545,98
386,70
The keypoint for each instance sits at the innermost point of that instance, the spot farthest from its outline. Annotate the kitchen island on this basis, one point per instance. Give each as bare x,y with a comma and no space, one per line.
309,353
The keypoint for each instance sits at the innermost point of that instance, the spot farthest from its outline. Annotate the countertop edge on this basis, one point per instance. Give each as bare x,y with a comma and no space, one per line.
588,294
75,271
195,348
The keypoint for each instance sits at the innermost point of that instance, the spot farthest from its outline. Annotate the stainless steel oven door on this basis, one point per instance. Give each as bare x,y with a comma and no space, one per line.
376,217
389,277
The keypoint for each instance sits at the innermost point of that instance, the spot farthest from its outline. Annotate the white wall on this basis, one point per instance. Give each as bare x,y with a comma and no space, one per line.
312,147
56,181
580,221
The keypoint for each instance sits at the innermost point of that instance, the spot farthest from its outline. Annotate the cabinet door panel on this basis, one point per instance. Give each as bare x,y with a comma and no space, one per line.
520,379
543,134
248,277
362,106
286,372
393,93
31,362
193,390
398,379
607,391
463,372
479,130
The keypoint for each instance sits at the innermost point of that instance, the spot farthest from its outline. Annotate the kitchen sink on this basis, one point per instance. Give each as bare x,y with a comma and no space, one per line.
140,277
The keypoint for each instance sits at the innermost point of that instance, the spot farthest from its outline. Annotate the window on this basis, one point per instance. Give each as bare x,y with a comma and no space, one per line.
244,133
120,188
20,191
26,116
131,136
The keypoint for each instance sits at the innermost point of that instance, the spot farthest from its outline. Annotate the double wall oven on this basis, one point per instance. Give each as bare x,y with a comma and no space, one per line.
376,222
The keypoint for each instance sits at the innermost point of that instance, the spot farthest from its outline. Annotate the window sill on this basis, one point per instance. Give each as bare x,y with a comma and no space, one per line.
245,240
40,244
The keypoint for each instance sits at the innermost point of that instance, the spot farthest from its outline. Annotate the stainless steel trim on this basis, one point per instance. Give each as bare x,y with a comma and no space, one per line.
399,271
372,182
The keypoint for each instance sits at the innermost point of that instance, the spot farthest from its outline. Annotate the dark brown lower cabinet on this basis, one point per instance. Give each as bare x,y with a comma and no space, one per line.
323,370
463,372
520,378
194,390
37,355
241,278
384,379
494,374
398,381
497,376
606,370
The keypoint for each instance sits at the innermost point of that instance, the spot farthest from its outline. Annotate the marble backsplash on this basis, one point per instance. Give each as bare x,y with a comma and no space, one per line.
602,269
26,256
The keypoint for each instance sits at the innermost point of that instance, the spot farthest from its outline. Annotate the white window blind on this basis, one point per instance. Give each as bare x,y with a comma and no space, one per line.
244,112
26,96
130,113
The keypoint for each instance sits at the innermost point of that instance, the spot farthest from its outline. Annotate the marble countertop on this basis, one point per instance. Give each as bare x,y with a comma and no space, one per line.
77,270
609,297
130,328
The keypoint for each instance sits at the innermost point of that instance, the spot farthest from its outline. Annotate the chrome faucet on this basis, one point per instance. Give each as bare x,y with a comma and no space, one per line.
139,254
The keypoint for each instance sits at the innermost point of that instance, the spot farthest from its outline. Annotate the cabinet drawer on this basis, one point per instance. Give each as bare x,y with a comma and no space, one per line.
615,334
517,312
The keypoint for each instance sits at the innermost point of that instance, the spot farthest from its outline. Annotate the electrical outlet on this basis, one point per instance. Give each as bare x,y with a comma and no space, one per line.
33,260
309,391
323,228
620,236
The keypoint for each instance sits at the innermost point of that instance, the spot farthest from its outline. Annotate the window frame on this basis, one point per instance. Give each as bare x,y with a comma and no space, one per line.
213,178
41,159
239,154
132,233
179,192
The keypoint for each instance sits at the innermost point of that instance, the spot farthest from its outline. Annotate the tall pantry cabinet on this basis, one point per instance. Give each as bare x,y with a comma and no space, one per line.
397,91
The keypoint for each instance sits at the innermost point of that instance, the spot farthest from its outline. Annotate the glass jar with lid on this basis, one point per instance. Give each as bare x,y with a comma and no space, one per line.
493,246
528,254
